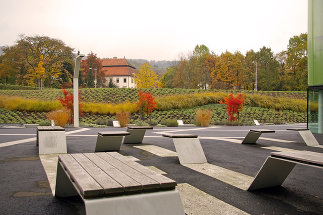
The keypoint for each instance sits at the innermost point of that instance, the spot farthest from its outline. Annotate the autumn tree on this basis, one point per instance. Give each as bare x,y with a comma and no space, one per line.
296,64
268,70
146,77
90,68
168,77
23,58
36,74
223,74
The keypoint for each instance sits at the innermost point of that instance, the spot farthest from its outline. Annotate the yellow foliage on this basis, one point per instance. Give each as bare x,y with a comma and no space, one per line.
18,103
123,118
60,117
105,108
203,117
146,77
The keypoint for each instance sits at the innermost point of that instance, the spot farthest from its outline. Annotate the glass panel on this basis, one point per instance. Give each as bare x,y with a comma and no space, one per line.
315,110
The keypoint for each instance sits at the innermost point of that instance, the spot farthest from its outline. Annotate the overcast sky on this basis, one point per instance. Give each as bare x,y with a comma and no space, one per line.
156,29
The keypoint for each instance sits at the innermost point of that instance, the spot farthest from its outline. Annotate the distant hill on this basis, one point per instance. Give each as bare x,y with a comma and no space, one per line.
158,66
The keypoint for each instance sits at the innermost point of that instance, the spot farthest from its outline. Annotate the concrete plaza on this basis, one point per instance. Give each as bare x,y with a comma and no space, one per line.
218,187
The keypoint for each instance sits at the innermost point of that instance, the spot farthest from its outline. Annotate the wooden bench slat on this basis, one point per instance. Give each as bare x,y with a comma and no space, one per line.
140,127
50,128
86,185
165,183
109,185
297,129
179,135
129,185
307,157
146,182
262,130
113,133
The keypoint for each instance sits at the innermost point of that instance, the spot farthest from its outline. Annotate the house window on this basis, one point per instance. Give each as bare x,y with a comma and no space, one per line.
117,80
124,80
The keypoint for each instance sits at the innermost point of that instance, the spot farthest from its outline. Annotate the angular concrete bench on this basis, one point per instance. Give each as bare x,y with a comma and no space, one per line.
137,134
307,136
254,134
51,140
188,148
109,141
110,183
279,164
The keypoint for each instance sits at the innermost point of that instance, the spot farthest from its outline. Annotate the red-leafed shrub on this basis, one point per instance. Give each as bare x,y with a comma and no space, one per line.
68,102
146,104
233,106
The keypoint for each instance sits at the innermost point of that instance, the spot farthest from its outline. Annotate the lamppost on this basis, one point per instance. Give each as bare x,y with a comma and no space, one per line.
76,89
256,87
95,81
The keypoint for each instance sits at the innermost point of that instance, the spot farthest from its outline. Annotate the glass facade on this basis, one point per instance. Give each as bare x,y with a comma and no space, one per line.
315,66
315,109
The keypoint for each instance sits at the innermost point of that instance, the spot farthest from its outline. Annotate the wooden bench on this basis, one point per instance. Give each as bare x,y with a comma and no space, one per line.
51,139
137,134
188,148
278,165
254,134
109,141
110,183
307,136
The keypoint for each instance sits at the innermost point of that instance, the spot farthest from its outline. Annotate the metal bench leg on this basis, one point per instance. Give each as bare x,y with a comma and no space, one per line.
251,137
308,138
157,203
108,143
136,136
189,150
273,173
64,186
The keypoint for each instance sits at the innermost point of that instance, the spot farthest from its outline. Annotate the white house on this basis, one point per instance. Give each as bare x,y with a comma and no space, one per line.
119,71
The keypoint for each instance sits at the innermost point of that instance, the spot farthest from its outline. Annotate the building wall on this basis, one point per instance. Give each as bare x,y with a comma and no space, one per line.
315,42
122,81
315,66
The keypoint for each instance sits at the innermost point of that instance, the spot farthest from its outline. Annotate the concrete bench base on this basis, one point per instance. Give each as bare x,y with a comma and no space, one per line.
254,134
109,141
188,148
109,183
137,134
51,140
278,165
307,136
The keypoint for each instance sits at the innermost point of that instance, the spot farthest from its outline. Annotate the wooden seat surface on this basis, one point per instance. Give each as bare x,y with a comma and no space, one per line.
113,133
50,128
262,130
110,174
306,157
179,135
140,127
297,129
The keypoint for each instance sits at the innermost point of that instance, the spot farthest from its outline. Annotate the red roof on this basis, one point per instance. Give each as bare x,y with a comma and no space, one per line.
117,67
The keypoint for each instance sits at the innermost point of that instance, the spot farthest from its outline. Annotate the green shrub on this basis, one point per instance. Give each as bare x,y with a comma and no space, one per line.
102,122
44,123
171,123
140,122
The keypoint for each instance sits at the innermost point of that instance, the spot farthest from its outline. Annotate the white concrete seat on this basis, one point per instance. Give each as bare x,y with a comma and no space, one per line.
137,134
51,140
278,165
109,141
254,134
307,136
110,183
188,148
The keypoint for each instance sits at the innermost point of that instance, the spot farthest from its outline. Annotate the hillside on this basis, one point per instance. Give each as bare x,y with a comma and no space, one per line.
158,66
